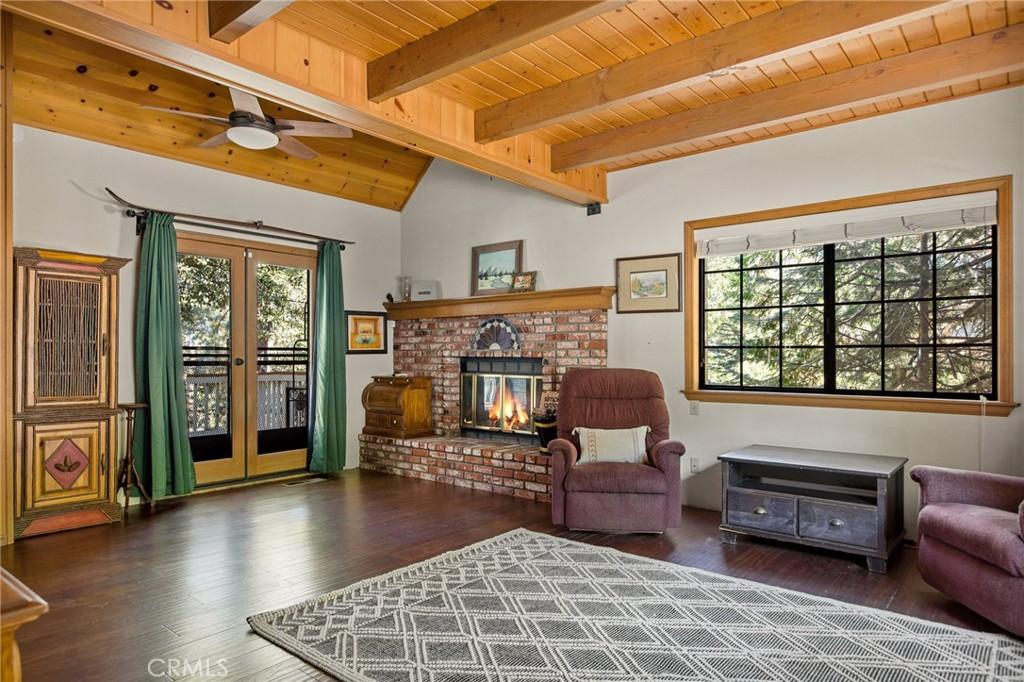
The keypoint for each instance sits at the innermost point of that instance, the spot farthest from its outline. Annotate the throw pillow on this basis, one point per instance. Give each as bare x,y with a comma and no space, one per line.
612,445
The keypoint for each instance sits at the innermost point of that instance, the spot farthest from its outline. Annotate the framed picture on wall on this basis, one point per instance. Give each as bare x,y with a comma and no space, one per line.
648,284
366,332
494,266
524,281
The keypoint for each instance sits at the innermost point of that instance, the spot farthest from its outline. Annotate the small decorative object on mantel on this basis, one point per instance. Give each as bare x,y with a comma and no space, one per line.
425,289
367,332
405,288
524,281
493,267
648,284
496,334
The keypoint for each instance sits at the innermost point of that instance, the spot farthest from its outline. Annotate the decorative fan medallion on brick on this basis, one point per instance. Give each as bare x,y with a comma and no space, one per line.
496,334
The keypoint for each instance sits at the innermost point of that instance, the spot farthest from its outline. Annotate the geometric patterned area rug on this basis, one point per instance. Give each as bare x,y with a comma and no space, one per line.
525,606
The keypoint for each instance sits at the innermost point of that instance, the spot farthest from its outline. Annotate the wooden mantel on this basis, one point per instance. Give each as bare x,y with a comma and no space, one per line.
581,298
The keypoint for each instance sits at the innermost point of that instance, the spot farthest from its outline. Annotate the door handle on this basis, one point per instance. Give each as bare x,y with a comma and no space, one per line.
239,362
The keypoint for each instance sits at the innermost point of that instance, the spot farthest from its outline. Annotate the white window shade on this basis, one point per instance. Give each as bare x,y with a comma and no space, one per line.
912,217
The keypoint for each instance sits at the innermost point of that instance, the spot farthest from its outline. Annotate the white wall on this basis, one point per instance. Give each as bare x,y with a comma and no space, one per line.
455,209
59,203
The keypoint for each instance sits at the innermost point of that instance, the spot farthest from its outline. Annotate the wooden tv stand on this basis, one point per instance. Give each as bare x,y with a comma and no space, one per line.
836,500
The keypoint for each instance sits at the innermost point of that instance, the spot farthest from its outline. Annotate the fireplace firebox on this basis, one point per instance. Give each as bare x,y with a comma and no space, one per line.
499,395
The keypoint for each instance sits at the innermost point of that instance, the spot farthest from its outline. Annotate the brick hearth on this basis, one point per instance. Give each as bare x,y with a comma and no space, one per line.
433,347
518,470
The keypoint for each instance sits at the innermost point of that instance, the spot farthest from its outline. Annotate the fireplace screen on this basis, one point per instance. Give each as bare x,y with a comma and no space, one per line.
500,402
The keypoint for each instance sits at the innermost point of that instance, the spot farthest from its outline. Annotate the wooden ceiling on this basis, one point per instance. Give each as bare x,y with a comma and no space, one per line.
553,93
78,87
376,28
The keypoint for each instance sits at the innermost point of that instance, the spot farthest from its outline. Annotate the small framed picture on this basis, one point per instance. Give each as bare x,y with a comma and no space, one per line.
524,281
493,267
366,332
648,284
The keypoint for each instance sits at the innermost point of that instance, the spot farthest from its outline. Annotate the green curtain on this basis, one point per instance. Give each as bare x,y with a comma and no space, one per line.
161,444
327,418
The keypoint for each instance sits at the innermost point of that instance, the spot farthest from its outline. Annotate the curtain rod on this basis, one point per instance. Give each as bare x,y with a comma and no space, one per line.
238,226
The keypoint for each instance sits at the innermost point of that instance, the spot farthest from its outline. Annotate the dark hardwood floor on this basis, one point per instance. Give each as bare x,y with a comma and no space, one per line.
127,599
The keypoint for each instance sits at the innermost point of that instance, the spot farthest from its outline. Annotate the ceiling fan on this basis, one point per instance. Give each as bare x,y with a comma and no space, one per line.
249,127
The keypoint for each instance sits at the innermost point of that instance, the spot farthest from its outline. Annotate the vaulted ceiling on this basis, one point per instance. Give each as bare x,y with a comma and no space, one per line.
553,94
72,85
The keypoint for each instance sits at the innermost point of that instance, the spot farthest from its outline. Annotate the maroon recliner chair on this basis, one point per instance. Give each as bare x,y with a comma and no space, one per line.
971,544
615,496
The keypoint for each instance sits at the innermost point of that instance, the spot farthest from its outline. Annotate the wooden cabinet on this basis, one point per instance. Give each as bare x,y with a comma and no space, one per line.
398,407
65,393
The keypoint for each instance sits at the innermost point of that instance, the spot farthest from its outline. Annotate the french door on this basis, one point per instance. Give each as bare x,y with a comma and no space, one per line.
246,324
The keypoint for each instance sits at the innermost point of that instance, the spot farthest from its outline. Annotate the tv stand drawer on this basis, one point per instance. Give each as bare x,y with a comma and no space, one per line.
761,511
847,524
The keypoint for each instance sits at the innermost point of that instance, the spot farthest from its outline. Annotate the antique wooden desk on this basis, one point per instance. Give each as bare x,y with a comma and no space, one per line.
837,500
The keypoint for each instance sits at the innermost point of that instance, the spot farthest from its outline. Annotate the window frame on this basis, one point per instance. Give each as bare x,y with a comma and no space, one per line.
999,402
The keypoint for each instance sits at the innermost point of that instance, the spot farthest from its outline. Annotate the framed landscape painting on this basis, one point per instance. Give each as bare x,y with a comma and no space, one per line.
366,332
648,284
494,266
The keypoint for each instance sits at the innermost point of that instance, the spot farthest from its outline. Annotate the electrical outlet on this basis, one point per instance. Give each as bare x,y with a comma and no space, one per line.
694,465
695,407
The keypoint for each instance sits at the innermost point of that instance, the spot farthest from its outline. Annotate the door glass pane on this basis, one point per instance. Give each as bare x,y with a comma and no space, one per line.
282,357
204,286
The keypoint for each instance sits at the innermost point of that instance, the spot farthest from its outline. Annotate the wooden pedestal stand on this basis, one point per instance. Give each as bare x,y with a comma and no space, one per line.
128,475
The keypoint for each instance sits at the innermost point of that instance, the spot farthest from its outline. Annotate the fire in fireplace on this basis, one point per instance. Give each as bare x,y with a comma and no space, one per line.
498,395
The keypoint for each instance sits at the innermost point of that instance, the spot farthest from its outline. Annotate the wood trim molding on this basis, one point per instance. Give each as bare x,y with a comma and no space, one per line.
1004,403
336,92
767,37
983,55
492,31
582,298
6,280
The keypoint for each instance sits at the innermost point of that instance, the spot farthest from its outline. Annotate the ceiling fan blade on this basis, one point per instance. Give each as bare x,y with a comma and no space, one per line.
291,146
215,141
191,114
314,129
243,101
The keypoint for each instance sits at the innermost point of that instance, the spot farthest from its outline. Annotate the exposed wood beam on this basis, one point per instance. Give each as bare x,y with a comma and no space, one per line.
492,31
769,37
981,56
276,70
231,19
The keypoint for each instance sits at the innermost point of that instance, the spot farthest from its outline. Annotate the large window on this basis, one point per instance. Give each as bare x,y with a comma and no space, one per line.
907,315
894,301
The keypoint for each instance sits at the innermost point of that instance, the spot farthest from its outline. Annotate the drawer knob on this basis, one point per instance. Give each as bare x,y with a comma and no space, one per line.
836,523
760,511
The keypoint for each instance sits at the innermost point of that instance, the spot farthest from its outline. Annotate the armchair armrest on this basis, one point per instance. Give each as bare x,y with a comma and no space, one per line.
998,491
662,452
563,457
665,455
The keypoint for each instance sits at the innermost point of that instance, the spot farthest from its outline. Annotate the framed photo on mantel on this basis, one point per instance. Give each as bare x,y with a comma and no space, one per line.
494,267
648,284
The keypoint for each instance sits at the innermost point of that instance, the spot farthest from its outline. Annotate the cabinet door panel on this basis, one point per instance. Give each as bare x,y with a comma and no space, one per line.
67,462
68,339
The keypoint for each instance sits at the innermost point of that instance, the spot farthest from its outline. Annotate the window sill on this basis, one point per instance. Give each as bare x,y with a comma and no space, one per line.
936,405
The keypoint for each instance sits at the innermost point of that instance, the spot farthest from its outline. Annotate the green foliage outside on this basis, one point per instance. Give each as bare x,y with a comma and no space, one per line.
764,318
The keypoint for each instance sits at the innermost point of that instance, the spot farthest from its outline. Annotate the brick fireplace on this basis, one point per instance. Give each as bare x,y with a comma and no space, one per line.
560,339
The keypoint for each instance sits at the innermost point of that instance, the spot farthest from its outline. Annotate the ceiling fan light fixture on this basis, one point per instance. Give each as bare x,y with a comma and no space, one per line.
252,137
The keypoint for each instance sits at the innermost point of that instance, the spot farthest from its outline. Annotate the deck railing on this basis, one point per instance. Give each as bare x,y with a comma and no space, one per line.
280,395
